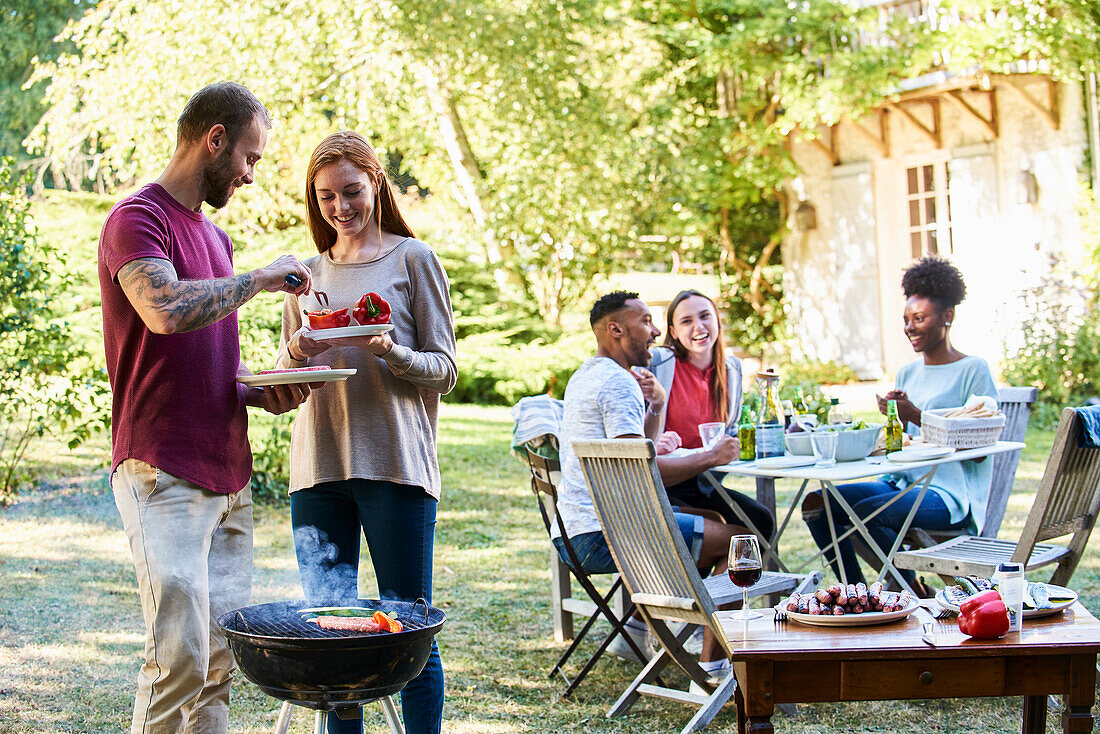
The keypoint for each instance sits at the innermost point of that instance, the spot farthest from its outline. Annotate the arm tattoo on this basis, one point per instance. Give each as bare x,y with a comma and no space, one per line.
154,289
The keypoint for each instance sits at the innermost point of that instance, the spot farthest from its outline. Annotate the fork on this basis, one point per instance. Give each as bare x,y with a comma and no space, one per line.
780,615
936,610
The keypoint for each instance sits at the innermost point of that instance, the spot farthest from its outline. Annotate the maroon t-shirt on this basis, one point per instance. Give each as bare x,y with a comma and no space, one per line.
176,403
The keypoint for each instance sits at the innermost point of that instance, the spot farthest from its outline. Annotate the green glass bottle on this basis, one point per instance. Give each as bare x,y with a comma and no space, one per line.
801,407
894,428
746,435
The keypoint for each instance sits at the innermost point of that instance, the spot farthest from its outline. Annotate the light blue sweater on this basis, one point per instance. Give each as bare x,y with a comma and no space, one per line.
964,485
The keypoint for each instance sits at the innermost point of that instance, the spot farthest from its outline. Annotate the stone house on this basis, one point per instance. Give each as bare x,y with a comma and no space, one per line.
984,169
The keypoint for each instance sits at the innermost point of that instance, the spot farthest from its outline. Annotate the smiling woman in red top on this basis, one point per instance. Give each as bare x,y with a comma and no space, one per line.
703,386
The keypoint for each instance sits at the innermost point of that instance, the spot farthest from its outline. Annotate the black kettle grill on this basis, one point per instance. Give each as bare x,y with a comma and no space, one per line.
299,662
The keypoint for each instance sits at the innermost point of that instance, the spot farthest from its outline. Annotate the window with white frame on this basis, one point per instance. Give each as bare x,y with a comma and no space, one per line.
928,195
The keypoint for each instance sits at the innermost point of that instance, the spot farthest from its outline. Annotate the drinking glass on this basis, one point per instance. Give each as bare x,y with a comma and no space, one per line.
745,570
824,444
788,411
709,433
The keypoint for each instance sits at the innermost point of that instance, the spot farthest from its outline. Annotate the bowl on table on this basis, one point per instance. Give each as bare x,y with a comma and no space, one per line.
853,444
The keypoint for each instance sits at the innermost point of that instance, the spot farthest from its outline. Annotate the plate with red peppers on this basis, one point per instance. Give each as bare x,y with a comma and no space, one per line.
371,315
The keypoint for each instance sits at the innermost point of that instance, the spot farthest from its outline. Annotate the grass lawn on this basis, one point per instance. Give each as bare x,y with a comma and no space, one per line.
70,632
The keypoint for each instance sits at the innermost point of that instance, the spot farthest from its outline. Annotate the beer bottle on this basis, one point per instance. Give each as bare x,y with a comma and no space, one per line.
893,427
746,435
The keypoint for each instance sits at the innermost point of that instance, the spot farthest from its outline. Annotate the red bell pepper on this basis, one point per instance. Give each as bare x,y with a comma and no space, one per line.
371,309
328,319
983,615
386,622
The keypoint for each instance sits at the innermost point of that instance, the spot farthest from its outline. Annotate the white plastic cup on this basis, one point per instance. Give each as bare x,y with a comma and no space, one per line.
824,447
709,433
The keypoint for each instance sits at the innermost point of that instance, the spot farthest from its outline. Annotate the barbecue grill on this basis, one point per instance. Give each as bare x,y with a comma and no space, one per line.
303,664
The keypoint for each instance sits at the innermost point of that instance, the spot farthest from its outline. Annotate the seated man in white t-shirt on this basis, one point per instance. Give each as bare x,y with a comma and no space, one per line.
606,398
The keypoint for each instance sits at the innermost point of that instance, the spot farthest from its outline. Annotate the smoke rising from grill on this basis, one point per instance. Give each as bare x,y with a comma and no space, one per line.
323,580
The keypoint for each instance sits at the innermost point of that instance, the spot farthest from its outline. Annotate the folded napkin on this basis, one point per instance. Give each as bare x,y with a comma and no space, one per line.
1090,427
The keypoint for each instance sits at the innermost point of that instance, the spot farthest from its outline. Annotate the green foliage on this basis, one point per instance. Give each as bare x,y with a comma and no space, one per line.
1060,352
26,35
818,373
495,369
46,376
269,436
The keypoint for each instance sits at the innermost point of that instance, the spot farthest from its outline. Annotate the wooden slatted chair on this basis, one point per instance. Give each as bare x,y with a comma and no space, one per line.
1065,505
659,572
544,474
1015,403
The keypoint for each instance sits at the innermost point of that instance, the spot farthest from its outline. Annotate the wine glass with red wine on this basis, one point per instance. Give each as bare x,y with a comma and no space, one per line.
745,570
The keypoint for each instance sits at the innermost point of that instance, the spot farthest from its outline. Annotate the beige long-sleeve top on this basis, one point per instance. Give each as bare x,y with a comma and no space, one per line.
381,423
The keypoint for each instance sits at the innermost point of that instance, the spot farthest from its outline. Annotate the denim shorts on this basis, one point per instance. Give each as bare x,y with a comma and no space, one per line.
595,556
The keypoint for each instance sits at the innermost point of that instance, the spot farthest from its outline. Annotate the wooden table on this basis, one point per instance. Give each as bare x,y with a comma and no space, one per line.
787,662
828,478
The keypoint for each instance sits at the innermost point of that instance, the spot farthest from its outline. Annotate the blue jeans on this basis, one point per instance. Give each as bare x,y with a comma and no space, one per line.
865,498
399,524
595,556
697,492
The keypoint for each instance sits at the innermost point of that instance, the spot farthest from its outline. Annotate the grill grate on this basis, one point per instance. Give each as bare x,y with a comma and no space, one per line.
289,624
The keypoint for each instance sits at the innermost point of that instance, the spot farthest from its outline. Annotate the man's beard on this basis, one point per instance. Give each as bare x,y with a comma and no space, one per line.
217,180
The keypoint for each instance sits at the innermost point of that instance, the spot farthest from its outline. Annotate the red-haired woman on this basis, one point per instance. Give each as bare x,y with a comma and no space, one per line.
363,455
703,384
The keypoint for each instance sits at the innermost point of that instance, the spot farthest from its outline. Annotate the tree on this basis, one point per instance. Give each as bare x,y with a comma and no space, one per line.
45,376
26,35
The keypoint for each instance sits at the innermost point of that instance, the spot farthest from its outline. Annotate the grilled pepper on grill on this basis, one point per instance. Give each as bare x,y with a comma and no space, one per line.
983,616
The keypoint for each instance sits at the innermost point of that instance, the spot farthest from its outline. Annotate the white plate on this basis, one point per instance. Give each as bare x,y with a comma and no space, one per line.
340,332
293,378
947,601
920,453
865,619
784,462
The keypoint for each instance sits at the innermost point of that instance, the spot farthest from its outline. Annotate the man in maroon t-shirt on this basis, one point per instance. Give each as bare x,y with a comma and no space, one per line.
181,463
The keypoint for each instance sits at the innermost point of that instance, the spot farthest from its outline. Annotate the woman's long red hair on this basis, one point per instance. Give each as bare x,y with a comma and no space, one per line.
353,147
719,380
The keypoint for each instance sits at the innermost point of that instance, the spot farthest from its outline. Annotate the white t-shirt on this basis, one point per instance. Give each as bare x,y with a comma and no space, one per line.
602,400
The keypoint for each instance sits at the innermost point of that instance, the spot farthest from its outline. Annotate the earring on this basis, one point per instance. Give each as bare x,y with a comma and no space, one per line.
947,323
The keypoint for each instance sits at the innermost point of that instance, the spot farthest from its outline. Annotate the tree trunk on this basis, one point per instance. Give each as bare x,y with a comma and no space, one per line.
464,164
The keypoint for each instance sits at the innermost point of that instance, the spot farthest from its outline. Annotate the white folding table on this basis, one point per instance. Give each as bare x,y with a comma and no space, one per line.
828,477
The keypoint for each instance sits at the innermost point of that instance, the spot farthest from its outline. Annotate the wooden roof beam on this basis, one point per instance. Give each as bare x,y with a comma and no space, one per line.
935,133
1048,112
832,150
880,141
991,123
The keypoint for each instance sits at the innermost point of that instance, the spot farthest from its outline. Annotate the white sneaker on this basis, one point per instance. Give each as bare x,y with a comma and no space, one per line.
694,644
715,678
620,648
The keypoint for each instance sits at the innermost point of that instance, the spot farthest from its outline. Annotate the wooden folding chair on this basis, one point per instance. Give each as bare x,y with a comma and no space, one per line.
1015,403
543,484
1066,504
654,562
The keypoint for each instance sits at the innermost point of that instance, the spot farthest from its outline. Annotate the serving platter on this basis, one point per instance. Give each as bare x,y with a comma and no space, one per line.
784,462
920,453
294,377
948,600
342,332
866,619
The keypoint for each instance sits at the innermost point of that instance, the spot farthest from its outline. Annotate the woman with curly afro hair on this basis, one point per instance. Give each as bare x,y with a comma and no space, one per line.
943,377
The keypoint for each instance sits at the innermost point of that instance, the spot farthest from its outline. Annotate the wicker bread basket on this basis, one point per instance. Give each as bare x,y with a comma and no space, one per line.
960,433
